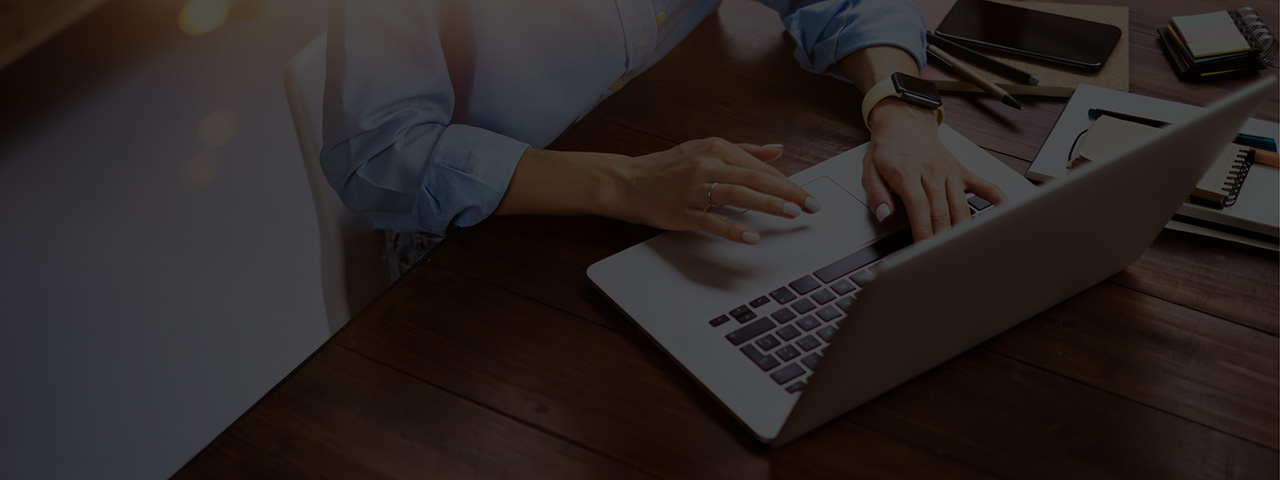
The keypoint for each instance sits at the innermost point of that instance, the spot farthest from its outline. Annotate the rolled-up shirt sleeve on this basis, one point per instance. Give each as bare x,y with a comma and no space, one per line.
390,150
826,31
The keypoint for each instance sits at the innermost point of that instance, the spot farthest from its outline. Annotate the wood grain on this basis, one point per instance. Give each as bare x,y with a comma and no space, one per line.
497,358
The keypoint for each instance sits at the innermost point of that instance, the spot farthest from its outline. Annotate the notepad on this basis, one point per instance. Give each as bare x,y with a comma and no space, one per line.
1220,187
1210,34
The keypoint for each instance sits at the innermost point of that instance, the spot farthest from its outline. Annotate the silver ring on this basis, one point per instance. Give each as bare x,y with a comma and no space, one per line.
710,203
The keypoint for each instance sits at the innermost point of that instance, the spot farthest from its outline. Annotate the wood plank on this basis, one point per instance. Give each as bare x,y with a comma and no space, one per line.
1229,280
1018,421
618,394
733,78
1183,362
1232,394
345,416
230,457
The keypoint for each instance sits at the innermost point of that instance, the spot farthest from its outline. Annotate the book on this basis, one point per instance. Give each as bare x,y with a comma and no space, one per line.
1054,81
1253,217
1219,188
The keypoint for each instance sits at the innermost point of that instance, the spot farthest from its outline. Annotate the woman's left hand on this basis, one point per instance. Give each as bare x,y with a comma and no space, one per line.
907,158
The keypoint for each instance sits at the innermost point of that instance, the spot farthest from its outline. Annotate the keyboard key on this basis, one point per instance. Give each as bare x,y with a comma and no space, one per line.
788,332
759,301
805,285
861,258
768,342
752,330
783,316
740,311
747,318
787,374
826,333
795,387
782,295
803,306
809,323
811,361
844,303
718,321
823,296
978,203
808,342
787,353
863,277
765,362
828,314
843,286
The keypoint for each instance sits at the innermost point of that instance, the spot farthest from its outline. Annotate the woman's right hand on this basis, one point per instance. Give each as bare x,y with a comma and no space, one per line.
673,189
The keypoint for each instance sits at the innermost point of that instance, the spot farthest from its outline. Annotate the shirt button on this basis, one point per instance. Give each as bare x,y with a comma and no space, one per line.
660,19
616,85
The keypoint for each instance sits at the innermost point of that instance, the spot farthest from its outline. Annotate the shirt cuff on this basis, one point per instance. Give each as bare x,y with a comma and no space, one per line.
469,173
892,23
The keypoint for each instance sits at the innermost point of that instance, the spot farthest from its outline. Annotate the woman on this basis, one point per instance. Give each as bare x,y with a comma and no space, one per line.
436,112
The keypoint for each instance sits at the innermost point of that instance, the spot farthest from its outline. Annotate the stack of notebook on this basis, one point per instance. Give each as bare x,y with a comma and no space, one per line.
1217,44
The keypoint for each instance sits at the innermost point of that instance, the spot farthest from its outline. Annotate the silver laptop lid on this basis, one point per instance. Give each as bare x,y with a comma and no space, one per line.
972,282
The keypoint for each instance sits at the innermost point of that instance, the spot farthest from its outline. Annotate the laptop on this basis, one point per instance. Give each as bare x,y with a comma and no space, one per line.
832,309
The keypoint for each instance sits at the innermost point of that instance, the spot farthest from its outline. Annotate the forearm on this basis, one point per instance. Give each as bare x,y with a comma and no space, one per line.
548,182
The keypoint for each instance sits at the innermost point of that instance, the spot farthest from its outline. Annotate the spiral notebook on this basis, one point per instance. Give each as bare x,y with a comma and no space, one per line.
1253,218
1216,44
1219,188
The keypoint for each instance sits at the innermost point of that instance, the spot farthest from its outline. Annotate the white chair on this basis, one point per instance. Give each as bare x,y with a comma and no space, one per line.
353,270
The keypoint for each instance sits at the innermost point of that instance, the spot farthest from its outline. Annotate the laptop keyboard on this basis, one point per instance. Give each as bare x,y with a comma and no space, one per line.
785,331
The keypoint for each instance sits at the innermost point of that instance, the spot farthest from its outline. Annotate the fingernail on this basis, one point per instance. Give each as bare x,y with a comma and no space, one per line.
791,210
812,204
750,237
882,212
775,146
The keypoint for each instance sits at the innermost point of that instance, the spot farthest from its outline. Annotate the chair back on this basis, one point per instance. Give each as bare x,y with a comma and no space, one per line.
353,270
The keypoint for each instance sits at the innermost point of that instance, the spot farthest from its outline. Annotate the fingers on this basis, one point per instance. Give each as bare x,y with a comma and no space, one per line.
766,153
756,190
939,210
743,197
879,199
955,198
715,225
918,209
984,189
747,168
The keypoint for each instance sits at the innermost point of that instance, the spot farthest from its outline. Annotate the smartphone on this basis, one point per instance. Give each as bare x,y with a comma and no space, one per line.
1065,41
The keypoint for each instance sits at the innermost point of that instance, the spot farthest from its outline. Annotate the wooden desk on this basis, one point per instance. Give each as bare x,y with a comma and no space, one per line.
497,358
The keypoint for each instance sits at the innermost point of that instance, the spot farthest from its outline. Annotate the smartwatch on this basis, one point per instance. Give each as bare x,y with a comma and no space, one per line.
915,91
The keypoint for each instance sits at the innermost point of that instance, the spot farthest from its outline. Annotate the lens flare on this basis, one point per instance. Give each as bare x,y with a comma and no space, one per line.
199,17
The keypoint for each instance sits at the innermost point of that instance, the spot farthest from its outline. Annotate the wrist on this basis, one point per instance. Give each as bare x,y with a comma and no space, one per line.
613,181
892,114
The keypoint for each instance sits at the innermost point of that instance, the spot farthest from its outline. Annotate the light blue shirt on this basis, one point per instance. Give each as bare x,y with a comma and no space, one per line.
430,104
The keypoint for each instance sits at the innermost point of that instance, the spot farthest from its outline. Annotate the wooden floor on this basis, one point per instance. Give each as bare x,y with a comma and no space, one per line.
497,358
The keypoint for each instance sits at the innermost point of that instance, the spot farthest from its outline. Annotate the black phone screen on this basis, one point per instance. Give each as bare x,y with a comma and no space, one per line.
1044,36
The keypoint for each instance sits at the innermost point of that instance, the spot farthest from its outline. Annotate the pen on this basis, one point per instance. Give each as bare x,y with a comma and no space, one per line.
982,61
968,74
1262,144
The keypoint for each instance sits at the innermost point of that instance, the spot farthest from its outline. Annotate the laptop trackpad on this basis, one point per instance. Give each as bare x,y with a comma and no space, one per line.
843,224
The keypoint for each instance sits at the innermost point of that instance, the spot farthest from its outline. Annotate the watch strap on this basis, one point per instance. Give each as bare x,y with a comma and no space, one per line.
881,91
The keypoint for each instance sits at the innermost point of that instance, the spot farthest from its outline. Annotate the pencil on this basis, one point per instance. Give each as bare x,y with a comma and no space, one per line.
968,74
982,61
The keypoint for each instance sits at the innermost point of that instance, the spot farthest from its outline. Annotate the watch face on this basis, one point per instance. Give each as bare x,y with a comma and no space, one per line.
917,91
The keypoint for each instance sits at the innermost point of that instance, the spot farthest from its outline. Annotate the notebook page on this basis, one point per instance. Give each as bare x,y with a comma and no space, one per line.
1108,134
